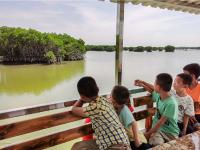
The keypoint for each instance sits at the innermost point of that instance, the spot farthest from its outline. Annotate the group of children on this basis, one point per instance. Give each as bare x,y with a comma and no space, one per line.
178,112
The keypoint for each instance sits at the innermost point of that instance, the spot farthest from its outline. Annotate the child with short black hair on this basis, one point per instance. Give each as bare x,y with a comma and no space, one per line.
109,132
119,98
193,90
185,102
164,127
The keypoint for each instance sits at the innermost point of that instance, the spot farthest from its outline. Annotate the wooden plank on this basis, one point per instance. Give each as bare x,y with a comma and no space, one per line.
53,139
144,100
27,126
37,109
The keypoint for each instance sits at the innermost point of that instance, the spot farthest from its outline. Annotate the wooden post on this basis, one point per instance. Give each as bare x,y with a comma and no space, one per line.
119,43
149,119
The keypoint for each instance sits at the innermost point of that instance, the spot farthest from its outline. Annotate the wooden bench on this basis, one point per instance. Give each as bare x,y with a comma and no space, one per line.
49,120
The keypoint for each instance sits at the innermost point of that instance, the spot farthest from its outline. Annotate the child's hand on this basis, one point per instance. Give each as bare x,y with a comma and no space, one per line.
193,120
196,126
183,133
109,98
79,103
138,82
147,135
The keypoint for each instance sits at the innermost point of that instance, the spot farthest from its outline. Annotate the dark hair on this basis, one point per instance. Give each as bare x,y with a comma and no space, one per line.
120,94
193,68
164,80
187,79
87,87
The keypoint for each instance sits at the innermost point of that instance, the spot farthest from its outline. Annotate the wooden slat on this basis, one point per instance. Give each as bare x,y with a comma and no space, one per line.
33,110
19,128
144,100
53,139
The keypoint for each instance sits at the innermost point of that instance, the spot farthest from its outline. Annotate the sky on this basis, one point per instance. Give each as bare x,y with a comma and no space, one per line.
94,21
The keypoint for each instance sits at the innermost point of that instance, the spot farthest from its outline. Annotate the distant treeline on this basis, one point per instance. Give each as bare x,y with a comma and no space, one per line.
111,48
18,45
186,48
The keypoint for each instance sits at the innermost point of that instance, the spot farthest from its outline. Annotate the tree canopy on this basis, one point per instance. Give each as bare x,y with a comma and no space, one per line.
18,45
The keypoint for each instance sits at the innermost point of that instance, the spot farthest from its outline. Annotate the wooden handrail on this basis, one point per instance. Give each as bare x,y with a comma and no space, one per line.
64,136
28,126
42,108
49,121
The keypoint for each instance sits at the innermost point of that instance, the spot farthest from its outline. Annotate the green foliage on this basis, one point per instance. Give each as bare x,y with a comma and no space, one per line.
131,48
50,57
19,45
108,48
63,53
139,49
148,49
169,48
160,49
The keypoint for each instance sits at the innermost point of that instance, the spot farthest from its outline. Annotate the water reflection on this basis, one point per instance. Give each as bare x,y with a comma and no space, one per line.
28,85
36,79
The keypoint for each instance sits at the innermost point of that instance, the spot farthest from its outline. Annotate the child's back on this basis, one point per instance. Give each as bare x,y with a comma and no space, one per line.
105,123
169,108
108,130
119,99
126,118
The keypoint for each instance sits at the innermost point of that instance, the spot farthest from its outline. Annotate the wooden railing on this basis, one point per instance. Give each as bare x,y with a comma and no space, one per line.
52,120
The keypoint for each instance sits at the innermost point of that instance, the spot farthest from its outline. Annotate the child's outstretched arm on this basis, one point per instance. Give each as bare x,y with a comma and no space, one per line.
135,134
157,126
185,123
149,87
77,108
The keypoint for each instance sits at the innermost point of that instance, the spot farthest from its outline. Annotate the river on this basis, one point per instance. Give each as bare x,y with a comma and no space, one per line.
30,85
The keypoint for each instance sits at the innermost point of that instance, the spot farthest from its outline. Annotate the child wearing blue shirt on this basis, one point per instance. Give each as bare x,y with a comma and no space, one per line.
119,98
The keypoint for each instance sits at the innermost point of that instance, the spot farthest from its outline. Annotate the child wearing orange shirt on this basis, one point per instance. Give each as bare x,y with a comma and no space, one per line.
194,89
